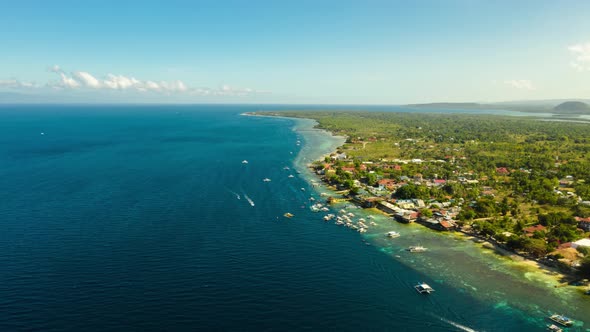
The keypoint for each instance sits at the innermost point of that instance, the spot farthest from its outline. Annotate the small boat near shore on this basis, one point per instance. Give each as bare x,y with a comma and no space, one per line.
423,288
288,215
561,320
417,249
266,180
393,234
554,328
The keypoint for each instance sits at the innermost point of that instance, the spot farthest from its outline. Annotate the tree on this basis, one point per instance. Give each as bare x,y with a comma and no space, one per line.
536,247
583,250
426,213
584,269
485,207
466,214
371,179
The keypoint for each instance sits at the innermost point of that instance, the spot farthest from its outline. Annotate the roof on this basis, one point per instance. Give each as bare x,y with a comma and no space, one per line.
535,228
502,170
583,243
446,224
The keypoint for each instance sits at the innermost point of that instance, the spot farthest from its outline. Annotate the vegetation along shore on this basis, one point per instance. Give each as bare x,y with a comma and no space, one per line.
518,183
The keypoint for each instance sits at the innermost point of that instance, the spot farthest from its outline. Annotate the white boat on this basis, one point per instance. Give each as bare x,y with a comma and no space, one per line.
423,288
562,320
291,176
244,161
417,249
266,180
554,328
393,234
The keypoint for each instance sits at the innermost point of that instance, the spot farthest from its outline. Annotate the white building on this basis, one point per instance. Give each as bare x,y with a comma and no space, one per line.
581,243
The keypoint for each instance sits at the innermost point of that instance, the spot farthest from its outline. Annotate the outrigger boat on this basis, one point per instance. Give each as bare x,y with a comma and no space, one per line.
416,249
423,288
393,234
562,320
554,328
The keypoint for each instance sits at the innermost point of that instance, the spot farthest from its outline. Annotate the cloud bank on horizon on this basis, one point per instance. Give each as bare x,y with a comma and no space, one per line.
82,80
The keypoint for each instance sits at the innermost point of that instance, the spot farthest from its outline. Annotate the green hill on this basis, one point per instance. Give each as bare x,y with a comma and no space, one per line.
572,107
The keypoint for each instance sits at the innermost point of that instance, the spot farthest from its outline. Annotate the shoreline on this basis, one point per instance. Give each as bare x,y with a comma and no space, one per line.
561,278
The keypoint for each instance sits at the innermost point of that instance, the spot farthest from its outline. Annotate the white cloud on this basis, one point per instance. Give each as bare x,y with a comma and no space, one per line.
581,53
87,80
520,84
78,80
67,82
16,84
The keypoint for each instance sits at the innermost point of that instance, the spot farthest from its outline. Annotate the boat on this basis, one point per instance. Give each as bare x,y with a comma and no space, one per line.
266,180
423,288
555,328
393,234
291,176
288,215
416,249
244,161
562,320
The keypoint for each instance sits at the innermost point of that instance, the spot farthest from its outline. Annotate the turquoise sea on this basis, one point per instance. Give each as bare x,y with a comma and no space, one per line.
146,218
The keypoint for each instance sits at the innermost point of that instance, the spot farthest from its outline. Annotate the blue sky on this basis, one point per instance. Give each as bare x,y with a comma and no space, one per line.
339,52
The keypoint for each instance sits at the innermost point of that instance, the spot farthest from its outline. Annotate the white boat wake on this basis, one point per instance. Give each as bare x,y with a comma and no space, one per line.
457,325
235,193
249,200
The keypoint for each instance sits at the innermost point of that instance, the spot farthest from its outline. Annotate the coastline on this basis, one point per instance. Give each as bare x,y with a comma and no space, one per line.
560,278
466,262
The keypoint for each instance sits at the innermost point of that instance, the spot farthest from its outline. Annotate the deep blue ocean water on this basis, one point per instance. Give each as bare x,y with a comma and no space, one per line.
121,218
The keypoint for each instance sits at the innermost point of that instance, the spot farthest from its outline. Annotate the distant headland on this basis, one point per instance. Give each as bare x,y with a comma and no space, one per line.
559,107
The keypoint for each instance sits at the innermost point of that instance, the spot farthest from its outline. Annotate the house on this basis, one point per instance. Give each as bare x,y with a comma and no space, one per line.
419,203
405,204
502,171
529,231
581,243
387,207
406,216
439,182
386,184
394,167
339,156
349,169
